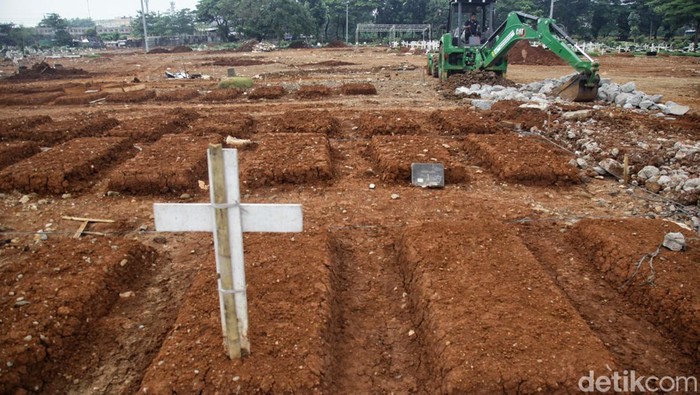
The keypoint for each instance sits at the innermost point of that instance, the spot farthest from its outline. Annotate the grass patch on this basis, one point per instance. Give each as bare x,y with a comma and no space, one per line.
236,82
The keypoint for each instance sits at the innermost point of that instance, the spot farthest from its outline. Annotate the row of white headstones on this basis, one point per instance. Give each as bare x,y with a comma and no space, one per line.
227,218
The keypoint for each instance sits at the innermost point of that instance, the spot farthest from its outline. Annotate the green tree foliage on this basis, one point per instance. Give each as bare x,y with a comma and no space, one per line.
679,13
61,36
81,22
169,24
218,12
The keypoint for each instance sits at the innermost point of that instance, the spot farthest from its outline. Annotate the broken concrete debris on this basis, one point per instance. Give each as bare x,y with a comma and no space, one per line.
674,241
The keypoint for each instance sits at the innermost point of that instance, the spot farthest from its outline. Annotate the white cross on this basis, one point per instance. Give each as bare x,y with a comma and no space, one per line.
227,218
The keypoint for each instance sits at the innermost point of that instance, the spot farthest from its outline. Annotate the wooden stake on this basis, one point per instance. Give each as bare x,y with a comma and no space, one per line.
232,339
107,221
626,165
81,229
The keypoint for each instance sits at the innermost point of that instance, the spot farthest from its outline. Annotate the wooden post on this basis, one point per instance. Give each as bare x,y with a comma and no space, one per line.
232,340
626,166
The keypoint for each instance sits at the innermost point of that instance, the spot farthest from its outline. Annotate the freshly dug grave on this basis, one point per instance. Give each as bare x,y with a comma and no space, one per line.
44,71
462,121
473,77
81,99
181,49
489,317
292,158
238,61
267,92
240,126
393,155
47,134
670,293
149,129
525,160
524,53
288,304
171,165
29,99
508,113
219,95
301,122
132,97
363,88
313,92
24,123
387,122
69,167
329,63
176,95
11,152
58,288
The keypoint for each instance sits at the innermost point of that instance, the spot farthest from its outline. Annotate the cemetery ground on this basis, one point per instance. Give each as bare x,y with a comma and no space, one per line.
518,276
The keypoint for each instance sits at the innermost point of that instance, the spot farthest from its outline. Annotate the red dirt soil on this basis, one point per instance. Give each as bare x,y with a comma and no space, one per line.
149,129
24,123
44,71
330,63
525,160
47,134
50,295
68,167
81,99
132,97
388,123
172,165
30,99
393,156
176,95
219,95
488,316
237,125
237,61
461,122
524,53
616,246
358,89
16,151
301,122
289,349
307,160
313,92
267,92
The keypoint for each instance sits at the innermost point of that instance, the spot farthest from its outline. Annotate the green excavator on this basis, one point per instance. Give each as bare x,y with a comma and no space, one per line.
463,49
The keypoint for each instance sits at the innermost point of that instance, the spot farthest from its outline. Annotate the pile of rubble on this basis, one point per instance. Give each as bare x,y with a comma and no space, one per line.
541,92
627,96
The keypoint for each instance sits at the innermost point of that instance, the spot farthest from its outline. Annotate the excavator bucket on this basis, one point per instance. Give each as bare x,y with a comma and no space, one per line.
578,89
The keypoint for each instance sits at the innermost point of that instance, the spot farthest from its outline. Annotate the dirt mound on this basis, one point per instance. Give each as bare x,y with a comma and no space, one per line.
247,46
30,99
222,95
71,284
181,49
337,44
158,50
302,122
17,150
44,71
525,160
387,123
462,121
23,123
267,92
132,97
358,89
330,63
237,61
474,77
81,99
231,124
524,53
313,91
177,95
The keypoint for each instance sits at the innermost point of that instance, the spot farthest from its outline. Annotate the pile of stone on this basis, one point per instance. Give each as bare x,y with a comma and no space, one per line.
627,96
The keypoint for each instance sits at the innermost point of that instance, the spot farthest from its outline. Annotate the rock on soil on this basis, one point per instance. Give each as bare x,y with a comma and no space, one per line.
524,53
471,78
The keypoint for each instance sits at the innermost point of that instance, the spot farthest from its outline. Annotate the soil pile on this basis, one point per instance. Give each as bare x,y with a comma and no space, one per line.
298,45
158,50
44,71
337,44
253,61
247,46
474,77
524,53
181,49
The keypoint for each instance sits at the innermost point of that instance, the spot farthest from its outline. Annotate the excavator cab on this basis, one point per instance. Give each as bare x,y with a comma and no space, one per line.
460,13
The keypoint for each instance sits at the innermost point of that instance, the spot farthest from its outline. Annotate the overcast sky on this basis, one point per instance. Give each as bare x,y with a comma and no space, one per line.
30,12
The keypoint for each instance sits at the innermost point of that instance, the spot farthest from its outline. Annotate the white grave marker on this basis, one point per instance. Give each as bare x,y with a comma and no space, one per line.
227,218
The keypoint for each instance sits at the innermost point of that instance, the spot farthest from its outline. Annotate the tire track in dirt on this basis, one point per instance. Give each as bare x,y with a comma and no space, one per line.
635,342
373,345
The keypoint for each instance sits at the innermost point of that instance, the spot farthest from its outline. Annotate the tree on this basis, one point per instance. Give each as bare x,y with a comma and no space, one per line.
218,12
679,13
60,27
81,22
634,20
